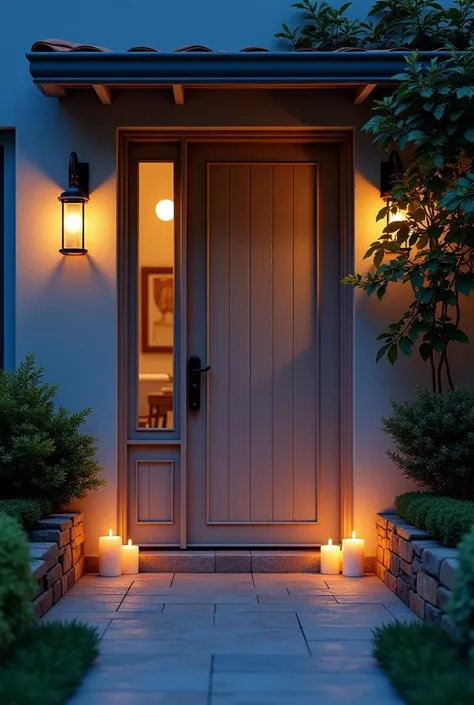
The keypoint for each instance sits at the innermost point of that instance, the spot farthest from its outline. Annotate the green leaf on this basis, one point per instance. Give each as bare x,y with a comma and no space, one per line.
459,336
464,283
469,134
424,295
417,279
406,345
438,112
439,345
413,332
382,351
392,354
378,258
381,292
425,351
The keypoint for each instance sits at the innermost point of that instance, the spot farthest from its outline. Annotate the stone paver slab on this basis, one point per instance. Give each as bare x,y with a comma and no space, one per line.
99,623
189,609
114,697
340,649
382,599
291,606
239,620
81,589
297,683
293,664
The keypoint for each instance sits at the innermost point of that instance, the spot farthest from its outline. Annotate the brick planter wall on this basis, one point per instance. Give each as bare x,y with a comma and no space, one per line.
57,560
415,567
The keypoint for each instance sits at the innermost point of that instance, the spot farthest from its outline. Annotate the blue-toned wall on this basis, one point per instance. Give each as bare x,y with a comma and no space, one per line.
66,308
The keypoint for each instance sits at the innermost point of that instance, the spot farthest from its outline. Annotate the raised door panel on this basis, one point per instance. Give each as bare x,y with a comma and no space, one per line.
262,343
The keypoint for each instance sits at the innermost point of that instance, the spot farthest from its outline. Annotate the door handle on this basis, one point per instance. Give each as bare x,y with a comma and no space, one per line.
194,382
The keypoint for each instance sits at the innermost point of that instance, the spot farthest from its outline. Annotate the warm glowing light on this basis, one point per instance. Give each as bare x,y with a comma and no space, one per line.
330,542
165,210
129,542
73,223
353,534
111,533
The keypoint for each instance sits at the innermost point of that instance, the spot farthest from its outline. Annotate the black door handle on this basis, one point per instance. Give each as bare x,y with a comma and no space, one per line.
194,382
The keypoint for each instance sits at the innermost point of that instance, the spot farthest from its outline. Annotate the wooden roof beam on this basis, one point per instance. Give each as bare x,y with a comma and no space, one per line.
363,92
178,93
103,92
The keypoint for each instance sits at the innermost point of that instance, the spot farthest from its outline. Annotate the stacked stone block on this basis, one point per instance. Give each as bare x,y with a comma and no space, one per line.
415,567
57,559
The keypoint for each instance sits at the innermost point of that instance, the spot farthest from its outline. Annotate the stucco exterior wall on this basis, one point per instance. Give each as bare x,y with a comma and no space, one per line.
66,308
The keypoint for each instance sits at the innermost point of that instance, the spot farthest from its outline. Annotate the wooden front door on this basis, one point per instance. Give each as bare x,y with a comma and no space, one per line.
263,287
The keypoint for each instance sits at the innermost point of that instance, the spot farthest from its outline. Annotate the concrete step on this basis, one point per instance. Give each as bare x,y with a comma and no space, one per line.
188,561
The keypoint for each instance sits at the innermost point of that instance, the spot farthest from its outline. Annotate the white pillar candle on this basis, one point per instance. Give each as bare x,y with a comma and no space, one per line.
330,559
129,558
110,555
353,556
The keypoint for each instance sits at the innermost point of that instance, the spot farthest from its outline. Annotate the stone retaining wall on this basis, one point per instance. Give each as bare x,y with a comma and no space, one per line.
57,560
415,567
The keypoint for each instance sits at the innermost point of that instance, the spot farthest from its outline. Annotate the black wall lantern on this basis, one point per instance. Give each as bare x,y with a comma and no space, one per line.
73,202
390,172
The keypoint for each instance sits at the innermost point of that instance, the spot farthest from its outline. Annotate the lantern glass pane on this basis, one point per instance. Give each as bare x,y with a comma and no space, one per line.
73,215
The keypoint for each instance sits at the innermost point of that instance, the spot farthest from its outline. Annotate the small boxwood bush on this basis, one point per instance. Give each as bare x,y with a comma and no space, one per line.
43,452
447,519
26,511
424,664
16,583
434,441
461,603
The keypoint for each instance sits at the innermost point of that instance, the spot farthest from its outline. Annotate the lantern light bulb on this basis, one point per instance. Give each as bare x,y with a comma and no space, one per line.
73,222
165,210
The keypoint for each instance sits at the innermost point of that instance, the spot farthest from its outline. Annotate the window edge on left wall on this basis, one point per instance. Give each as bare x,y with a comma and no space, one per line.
7,248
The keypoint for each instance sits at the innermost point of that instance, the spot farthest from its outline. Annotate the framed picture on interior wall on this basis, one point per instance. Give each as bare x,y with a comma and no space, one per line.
157,309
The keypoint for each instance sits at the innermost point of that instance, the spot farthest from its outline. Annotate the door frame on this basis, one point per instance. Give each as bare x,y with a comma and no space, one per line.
129,136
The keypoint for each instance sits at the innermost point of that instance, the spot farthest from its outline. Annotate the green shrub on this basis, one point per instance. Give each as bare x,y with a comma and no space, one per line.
461,603
424,664
16,583
26,511
48,664
434,441
447,519
43,454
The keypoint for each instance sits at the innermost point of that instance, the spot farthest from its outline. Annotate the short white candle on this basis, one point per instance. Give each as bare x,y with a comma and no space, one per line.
353,556
129,558
330,559
110,555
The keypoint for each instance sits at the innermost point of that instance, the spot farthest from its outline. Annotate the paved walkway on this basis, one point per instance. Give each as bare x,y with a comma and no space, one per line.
233,639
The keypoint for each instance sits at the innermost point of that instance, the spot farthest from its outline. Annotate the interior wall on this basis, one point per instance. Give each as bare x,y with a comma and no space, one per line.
66,308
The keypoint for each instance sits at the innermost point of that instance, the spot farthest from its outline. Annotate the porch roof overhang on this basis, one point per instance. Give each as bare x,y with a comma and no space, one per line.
58,72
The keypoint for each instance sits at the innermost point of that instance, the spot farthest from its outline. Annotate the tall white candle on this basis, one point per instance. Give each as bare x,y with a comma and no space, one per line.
353,556
129,558
330,559
110,555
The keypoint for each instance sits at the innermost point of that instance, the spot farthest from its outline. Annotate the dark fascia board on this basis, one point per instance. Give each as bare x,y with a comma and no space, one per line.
194,68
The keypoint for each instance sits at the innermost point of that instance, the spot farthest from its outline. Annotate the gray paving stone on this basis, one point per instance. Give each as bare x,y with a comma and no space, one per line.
38,569
293,664
177,562
114,697
285,562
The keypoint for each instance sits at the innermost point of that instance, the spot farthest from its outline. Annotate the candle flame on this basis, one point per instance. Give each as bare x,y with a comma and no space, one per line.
330,542
111,533
353,534
129,542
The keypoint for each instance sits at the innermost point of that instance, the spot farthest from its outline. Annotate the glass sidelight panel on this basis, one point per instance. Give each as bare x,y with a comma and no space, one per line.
156,295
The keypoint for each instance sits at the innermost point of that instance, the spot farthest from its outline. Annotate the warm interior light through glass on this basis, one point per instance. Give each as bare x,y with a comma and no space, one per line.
72,225
156,296
164,210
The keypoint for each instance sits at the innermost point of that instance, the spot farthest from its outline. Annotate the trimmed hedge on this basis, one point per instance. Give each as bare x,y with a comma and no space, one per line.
26,511
447,519
461,603
16,584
